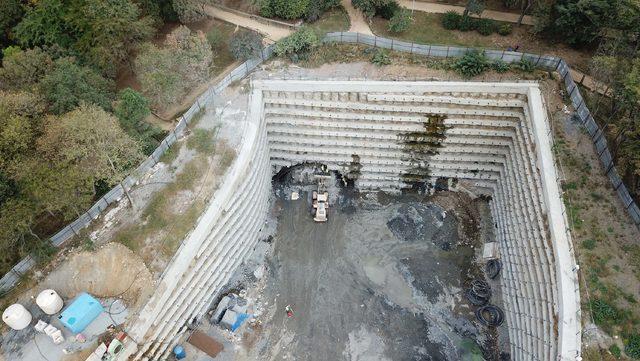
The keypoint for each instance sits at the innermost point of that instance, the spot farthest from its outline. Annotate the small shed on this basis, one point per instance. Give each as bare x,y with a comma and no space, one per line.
81,312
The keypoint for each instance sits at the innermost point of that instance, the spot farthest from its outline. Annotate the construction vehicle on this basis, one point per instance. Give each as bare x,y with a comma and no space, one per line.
321,200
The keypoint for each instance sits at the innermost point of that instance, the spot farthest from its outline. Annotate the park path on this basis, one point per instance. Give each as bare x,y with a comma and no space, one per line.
272,32
359,23
443,8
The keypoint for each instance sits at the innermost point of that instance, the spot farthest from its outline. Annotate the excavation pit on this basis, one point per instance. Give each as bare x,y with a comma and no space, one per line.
490,140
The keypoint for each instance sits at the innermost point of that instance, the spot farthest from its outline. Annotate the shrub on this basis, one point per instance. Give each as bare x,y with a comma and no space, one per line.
286,9
401,21
381,57
500,66
525,65
388,10
245,45
467,23
301,41
70,84
615,350
505,29
215,38
473,63
451,20
589,244
373,7
131,109
632,346
486,27
603,312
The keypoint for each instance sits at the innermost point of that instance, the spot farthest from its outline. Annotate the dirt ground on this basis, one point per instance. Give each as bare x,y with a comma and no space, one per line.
382,280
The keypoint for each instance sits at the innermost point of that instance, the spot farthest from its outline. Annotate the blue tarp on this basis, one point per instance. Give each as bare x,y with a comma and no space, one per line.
80,313
239,320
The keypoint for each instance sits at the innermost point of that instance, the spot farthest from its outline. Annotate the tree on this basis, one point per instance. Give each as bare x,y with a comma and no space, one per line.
131,109
286,9
189,11
400,21
107,31
245,45
103,33
45,24
581,22
22,69
9,16
89,143
20,114
166,74
371,7
69,84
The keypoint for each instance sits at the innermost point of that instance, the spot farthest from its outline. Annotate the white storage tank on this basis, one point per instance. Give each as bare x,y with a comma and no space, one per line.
17,317
50,302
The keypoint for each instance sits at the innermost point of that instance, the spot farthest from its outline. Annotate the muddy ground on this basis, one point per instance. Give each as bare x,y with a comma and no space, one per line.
383,279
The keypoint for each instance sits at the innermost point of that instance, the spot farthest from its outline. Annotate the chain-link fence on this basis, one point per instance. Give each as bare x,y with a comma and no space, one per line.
541,61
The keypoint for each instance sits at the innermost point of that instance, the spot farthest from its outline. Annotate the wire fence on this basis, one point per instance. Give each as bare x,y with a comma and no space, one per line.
545,62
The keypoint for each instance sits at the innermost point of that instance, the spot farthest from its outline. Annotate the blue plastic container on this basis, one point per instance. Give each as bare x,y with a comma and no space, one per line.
80,313
179,352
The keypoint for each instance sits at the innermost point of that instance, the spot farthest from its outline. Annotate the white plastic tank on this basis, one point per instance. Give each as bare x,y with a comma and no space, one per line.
50,302
17,317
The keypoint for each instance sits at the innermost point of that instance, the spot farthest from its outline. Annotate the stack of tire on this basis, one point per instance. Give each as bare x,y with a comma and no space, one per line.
479,294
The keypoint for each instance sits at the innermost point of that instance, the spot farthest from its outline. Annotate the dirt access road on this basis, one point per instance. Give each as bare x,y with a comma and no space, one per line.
272,32
443,8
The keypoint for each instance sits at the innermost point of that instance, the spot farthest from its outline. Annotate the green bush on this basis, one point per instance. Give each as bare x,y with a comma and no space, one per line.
632,346
371,8
500,66
615,350
215,38
299,42
467,23
451,20
603,312
486,27
505,29
525,65
381,57
589,244
388,10
473,63
245,45
400,22
286,9
131,109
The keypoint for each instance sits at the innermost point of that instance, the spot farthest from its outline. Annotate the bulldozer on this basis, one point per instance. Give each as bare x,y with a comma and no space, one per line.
320,200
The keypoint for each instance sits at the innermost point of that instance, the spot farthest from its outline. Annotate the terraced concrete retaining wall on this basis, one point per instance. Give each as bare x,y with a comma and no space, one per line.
225,233
394,135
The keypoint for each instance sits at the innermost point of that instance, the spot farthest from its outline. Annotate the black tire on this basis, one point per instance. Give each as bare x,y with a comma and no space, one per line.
490,315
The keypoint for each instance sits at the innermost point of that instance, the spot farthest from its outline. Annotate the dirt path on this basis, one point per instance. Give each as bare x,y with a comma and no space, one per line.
442,8
358,22
272,32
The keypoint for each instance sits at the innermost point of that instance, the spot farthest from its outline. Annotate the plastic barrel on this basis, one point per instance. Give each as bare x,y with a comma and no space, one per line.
179,352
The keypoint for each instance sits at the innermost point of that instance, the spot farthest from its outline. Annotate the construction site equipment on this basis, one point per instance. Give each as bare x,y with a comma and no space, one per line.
80,313
17,317
321,199
49,302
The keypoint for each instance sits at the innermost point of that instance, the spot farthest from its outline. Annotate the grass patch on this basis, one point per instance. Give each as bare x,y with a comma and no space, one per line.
171,153
426,28
589,244
201,140
161,220
222,55
333,20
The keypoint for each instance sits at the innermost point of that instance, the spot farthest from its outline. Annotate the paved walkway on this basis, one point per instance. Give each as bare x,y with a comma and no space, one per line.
442,8
358,22
272,32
